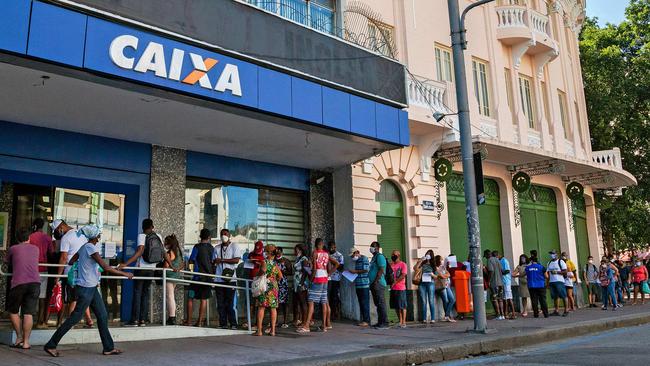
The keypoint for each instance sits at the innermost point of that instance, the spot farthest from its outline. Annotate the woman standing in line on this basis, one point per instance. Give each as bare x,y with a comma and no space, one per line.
300,285
268,299
176,263
426,287
522,283
283,285
639,276
88,293
443,289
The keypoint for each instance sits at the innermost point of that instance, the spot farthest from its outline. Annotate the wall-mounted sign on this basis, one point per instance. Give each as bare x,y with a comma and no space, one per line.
428,206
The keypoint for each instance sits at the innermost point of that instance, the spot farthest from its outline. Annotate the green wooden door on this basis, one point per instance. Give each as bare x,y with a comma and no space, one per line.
539,223
489,218
391,220
582,239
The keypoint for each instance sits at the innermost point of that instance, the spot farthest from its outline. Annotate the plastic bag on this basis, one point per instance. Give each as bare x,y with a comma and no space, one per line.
56,300
645,288
259,286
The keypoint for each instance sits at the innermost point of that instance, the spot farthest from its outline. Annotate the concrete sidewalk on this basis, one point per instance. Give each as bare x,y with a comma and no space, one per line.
346,344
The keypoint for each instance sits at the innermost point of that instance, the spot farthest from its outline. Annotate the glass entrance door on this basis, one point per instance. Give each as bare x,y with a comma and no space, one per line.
30,203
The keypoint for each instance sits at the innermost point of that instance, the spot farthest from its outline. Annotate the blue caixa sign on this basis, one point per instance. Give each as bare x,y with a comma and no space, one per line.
74,39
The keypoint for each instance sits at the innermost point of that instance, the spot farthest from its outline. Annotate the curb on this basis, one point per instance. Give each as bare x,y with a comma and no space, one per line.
453,350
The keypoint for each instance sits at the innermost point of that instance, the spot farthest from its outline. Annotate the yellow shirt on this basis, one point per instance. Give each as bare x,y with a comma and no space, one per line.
571,267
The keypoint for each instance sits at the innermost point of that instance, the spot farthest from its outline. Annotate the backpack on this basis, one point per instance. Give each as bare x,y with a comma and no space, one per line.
603,277
153,249
389,275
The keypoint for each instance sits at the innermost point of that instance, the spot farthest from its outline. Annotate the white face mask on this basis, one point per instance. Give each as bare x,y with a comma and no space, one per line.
225,238
638,263
355,258
427,257
373,250
591,261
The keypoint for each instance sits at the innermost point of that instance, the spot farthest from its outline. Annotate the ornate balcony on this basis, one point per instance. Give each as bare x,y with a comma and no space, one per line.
611,158
527,31
427,94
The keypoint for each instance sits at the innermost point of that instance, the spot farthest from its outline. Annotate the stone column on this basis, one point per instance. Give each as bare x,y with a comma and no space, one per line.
167,210
321,207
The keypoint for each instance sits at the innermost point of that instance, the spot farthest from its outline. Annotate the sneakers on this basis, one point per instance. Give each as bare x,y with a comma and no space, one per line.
381,326
131,324
555,313
500,317
362,324
566,313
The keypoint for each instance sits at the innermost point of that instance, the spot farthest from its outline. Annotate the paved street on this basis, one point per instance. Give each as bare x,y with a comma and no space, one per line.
625,346
345,338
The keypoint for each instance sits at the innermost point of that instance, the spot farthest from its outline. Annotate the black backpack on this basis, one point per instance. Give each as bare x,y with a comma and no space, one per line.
153,249
389,275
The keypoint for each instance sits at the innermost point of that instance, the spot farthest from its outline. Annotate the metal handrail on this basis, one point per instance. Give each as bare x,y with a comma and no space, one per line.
164,279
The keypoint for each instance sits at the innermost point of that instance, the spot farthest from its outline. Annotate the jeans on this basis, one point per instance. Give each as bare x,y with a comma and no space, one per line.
427,295
448,300
141,290
86,296
225,298
379,297
608,292
363,295
537,298
619,291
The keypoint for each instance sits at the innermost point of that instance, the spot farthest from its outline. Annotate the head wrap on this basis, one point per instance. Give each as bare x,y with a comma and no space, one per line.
90,231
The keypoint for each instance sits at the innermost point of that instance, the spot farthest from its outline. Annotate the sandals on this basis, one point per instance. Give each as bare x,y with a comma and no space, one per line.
302,330
114,352
51,351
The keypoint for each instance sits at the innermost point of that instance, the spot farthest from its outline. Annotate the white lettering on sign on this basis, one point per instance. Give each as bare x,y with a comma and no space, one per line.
153,59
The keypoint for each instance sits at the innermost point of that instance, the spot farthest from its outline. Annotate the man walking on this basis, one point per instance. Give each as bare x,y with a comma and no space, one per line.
25,288
557,272
536,277
334,284
378,284
226,258
149,242
591,279
71,241
496,283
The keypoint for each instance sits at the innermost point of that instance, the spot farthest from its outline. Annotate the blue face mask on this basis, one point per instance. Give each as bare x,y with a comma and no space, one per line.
553,256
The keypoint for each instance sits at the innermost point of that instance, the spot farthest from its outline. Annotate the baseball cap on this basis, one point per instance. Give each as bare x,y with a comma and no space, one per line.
552,252
352,250
55,224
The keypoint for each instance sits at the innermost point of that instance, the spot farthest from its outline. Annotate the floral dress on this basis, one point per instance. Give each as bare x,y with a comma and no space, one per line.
283,284
269,299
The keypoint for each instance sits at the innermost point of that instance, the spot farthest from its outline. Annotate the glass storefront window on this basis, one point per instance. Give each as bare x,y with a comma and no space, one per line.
251,214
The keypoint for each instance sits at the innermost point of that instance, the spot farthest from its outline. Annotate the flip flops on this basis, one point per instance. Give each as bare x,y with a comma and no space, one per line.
52,352
17,345
114,352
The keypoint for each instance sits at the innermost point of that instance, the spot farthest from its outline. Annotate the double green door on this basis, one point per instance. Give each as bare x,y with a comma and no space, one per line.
539,226
489,218
582,239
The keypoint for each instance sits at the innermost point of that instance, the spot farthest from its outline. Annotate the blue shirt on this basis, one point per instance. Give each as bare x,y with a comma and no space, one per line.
362,278
505,266
87,267
378,261
535,275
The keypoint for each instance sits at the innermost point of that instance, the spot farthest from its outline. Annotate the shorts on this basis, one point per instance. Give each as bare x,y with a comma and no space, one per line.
24,299
199,292
558,290
68,294
43,293
317,293
496,293
507,292
593,288
398,299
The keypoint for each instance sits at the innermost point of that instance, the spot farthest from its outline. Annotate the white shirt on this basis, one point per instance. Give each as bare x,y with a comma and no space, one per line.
228,252
556,265
70,243
142,239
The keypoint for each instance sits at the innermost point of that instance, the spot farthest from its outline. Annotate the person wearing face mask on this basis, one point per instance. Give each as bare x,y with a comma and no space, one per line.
334,283
557,271
606,277
398,289
300,285
225,257
520,285
590,275
639,277
426,287
362,285
283,284
71,241
569,281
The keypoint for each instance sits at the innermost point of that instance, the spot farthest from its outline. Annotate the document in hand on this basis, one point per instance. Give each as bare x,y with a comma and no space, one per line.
349,276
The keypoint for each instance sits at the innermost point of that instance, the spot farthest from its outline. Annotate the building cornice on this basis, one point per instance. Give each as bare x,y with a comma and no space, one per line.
573,13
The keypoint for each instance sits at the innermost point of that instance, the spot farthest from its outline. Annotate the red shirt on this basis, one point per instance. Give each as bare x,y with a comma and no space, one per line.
322,258
24,264
639,274
45,246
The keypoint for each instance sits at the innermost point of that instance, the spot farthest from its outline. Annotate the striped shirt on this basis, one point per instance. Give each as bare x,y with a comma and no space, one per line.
362,280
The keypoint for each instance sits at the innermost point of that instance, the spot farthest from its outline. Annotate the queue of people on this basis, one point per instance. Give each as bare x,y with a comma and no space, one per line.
311,283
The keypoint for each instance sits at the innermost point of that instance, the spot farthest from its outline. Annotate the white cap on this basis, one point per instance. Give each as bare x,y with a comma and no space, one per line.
55,224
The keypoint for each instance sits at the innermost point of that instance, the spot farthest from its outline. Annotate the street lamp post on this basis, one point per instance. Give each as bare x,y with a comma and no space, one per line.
457,24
